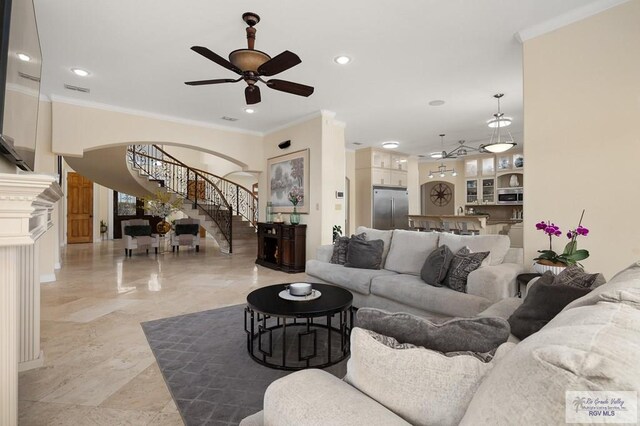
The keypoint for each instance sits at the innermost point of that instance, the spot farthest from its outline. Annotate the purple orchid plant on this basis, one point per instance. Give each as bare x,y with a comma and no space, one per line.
571,254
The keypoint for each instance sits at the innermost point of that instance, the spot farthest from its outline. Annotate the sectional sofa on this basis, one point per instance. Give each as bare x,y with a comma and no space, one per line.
397,287
592,345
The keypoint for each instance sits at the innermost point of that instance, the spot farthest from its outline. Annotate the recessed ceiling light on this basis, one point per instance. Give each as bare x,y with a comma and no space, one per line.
390,144
357,143
80,72
437,102
24,57
249,110
436,155
342,60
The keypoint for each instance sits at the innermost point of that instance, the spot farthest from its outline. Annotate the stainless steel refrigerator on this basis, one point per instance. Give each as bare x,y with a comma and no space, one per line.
390,208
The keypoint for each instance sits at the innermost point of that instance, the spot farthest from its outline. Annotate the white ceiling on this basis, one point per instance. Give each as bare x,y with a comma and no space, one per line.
405,54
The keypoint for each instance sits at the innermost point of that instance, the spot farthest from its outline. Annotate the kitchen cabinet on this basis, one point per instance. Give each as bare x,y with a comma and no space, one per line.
399,162
480,191
471,187
398,178
381,177
381,159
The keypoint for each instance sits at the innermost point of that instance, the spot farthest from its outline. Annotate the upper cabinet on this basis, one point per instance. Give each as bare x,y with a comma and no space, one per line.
493,165
508,162
384,168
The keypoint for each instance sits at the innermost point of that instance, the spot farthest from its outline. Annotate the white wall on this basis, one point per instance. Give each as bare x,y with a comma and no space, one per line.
582,135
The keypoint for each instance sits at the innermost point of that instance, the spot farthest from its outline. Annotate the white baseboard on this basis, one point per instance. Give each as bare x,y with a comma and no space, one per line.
57,265
47,278
30,365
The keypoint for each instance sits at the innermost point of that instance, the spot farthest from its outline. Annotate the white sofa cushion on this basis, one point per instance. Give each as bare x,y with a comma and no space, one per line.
422,386
496,245
412,291
376,234
409,250
316,398
628,278
592,347
354,279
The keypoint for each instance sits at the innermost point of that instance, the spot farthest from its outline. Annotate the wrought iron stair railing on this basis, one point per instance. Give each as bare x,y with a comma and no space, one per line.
186,182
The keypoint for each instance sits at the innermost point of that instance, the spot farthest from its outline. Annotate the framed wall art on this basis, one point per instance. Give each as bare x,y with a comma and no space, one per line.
285,174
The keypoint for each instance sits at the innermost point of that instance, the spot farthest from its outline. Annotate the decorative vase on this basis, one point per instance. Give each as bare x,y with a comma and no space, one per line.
542,266
294,217
163,227
103,229
513,182
269,212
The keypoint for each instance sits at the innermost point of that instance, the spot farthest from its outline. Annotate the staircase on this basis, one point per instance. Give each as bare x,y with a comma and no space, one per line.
228,211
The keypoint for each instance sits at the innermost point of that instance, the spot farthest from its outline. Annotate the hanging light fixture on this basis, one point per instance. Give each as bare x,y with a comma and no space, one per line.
497,145
442,169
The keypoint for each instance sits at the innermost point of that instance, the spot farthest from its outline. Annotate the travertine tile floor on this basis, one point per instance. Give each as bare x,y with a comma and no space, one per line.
99,369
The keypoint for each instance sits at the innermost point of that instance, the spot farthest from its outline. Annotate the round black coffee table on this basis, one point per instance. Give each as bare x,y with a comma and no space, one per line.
293,335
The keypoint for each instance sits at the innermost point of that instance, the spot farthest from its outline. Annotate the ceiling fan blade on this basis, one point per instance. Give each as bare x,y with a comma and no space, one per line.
279,63
218,81
216,58
252,95
290,87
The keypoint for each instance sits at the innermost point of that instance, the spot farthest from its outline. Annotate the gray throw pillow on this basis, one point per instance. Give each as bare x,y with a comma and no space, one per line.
436,266
577,277
544,301
340,247
364,254
482,334
464,262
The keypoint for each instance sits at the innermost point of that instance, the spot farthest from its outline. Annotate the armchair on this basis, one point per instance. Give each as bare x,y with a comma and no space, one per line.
186,232
136,233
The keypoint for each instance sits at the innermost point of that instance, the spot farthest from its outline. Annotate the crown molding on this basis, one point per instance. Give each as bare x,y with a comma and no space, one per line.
565,19
147,114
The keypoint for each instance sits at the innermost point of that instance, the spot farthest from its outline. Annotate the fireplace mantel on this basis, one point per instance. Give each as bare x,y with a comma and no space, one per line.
26,204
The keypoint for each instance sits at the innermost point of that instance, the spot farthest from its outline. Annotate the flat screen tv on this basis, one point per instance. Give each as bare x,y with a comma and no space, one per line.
20,70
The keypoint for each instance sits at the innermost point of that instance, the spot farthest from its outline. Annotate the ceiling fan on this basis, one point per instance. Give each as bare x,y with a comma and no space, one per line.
251,65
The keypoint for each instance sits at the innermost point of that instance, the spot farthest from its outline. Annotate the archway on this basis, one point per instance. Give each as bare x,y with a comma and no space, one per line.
437,198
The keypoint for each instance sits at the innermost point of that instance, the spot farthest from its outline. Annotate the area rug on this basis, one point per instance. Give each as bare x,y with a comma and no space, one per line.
203,358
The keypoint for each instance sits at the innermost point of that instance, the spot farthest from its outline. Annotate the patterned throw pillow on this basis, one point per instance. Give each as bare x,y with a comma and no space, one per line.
464,262
576,276
340,247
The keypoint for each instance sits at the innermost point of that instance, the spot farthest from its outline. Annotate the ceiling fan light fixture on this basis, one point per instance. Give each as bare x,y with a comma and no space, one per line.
248,59
436,155
342,60
390,144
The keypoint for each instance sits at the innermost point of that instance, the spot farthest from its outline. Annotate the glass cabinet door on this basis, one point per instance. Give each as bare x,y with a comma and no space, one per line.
472,191
488,191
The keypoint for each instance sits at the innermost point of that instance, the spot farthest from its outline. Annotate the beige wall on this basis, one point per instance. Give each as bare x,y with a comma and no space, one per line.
202,160
582,135
325,140
350,158
80,128
46,163
457,181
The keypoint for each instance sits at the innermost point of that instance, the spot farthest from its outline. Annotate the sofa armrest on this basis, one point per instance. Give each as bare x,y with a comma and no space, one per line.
514,255
314,398
324,253
494,282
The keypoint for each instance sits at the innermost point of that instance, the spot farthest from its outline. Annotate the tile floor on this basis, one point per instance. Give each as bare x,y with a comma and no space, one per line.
98,368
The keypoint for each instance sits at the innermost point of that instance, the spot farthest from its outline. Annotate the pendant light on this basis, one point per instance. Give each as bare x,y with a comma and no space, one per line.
497,145
442,169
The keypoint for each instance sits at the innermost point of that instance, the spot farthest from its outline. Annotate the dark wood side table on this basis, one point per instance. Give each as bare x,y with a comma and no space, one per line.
282,247
523,279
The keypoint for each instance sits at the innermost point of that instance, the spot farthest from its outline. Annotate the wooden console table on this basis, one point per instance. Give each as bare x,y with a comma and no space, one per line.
282,247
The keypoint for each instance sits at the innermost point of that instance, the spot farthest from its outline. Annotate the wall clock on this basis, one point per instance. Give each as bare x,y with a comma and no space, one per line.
441,194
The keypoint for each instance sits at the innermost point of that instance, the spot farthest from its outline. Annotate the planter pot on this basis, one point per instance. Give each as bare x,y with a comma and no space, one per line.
163,227
545,266
294,217
103,229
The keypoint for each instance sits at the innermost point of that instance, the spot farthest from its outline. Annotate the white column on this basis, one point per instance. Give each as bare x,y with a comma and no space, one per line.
8,335
30,356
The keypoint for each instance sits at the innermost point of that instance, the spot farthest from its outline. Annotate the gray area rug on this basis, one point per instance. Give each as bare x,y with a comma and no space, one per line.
204,360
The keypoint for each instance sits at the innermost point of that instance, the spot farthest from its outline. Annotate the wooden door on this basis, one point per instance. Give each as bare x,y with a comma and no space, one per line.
79,209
